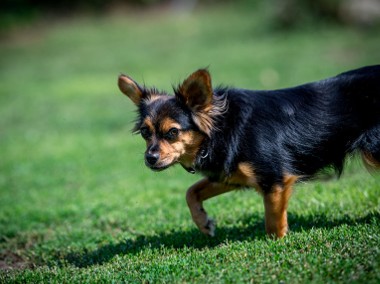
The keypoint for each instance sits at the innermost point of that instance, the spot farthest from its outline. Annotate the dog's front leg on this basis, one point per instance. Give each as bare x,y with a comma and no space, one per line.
195,196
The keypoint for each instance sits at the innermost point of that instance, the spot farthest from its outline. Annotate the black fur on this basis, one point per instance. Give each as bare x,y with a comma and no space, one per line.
264,139
298,130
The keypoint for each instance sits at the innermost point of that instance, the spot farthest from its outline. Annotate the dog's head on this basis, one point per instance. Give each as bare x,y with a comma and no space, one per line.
174,127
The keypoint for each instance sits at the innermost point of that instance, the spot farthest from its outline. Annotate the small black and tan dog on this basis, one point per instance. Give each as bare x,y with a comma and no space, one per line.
266,140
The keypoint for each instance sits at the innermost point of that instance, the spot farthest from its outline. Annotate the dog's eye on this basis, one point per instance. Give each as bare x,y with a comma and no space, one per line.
172,133
145,133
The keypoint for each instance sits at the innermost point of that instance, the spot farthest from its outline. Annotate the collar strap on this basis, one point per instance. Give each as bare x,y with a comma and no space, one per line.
190,170
203,154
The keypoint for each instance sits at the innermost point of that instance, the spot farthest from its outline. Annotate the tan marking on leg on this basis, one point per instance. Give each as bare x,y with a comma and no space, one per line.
196,194
276,203
370,162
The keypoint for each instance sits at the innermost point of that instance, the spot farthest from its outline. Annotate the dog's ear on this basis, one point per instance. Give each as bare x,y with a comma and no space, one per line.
130,88
196,91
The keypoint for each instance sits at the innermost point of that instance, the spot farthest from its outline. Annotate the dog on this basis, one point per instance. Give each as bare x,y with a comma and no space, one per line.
266,140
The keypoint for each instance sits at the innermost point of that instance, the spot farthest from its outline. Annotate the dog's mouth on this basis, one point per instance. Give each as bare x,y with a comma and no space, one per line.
159,167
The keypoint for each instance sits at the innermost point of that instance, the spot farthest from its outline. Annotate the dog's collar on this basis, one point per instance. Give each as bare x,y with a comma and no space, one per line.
189,169
203,154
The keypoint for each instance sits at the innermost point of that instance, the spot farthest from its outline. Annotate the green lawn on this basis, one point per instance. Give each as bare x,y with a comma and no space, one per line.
76,201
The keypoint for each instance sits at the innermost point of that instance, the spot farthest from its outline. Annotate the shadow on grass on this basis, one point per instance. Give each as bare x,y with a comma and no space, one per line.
194,239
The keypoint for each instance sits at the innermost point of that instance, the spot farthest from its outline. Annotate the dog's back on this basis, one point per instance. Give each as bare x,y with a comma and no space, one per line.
352,114
303,129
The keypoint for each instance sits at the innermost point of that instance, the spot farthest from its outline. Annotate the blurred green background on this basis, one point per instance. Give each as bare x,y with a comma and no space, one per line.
72,177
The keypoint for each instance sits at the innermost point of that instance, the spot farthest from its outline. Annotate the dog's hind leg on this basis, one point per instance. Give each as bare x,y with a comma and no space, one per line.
371,160
195,196
370,148
276,204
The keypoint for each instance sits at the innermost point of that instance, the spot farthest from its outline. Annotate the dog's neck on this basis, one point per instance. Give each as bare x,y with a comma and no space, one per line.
199,158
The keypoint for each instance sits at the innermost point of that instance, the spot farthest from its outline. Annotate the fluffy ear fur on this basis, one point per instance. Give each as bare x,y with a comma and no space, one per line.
130,88
197,94
196,91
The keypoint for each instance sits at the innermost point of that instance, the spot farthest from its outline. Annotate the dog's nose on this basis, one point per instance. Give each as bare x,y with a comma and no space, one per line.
152,158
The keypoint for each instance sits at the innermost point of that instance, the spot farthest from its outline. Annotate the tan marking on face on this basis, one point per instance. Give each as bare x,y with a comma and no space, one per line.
189,143
183,150
167,156
168,124
148,123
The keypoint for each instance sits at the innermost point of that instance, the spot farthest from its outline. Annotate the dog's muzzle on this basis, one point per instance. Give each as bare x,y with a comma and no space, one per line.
151,159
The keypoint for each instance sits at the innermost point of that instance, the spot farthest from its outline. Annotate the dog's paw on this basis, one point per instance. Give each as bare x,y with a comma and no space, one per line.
209,228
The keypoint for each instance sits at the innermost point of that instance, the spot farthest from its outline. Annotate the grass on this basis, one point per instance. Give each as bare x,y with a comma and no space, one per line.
78,205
